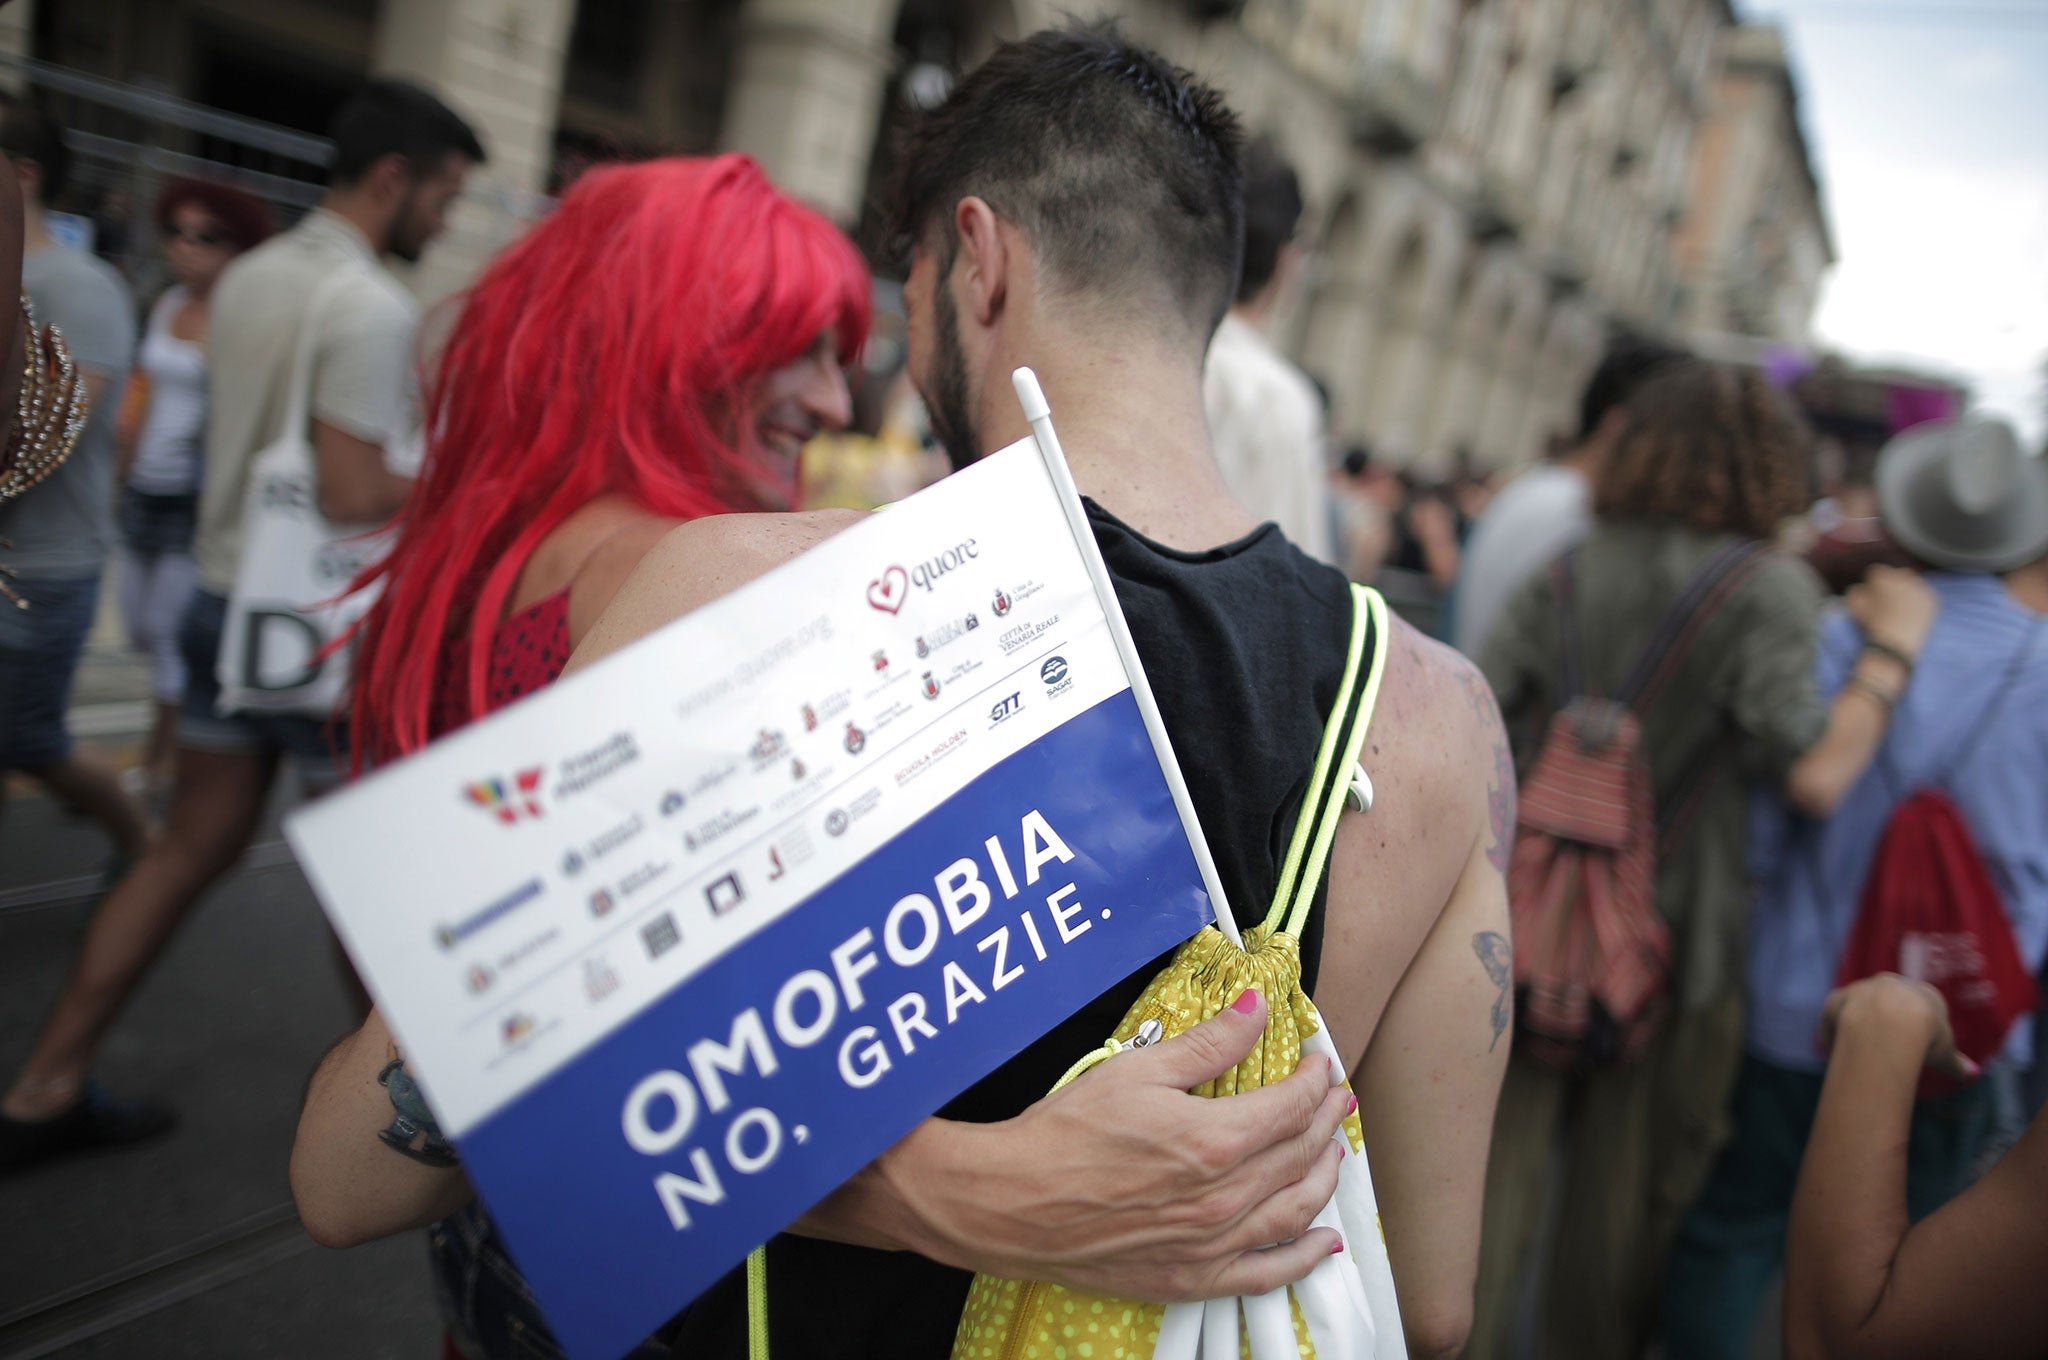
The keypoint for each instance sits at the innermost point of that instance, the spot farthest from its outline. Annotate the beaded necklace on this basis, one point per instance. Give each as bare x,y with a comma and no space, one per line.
50,416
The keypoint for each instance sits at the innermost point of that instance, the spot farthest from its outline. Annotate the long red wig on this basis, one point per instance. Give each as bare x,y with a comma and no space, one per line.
611,350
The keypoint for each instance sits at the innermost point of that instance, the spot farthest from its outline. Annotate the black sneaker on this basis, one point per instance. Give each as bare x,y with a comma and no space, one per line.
97,1121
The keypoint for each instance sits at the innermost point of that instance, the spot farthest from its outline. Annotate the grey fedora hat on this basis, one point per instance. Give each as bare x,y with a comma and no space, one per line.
1959,494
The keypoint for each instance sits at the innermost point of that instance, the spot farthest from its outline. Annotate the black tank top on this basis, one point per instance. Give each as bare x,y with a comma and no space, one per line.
1245,647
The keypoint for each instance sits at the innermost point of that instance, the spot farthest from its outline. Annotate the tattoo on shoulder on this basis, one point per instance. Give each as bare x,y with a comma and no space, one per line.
1500,788
1498,958
413,1131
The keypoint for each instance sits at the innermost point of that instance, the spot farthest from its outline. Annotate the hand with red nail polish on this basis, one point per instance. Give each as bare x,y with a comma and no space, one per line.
1122,1184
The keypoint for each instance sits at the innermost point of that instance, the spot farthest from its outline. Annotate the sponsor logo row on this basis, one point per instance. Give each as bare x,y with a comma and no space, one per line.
722,895
1055,677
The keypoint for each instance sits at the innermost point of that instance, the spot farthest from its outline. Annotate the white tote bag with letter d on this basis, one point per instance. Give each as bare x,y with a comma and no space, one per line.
288,604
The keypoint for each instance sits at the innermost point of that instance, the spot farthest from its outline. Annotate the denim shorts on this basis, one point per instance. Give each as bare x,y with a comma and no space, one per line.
152,525
318,746
39,650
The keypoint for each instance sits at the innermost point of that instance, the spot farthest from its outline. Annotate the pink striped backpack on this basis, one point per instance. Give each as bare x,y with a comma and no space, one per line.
1592,955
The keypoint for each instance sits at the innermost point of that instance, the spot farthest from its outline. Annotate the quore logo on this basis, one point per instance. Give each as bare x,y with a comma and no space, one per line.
926,574
886,592
522,799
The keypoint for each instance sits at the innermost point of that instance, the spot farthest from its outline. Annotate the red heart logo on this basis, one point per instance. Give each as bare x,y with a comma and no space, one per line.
886,592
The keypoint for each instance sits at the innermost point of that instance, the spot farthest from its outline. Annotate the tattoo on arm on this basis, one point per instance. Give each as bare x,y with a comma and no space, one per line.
1498,958
413,1131
1500,788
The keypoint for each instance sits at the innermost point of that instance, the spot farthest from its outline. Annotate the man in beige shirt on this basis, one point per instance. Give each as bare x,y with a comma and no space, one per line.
400,158
362,381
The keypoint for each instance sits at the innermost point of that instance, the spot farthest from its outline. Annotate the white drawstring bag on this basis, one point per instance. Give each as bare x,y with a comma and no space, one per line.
288,607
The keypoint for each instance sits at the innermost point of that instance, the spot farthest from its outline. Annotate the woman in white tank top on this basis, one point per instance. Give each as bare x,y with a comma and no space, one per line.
163,448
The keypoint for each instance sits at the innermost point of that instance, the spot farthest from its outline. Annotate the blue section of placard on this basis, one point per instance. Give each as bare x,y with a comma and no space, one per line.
581,1207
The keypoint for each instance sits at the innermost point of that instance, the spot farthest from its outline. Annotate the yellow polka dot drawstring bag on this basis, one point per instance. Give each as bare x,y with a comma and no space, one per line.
1345,1309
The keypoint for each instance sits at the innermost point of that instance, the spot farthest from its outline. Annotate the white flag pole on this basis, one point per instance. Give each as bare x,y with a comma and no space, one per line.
1032,398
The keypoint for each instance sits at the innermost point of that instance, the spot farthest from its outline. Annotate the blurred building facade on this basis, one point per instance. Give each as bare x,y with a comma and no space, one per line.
1754,246
1493,185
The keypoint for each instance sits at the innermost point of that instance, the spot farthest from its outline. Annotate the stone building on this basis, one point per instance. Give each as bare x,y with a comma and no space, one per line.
1493,185
1753,248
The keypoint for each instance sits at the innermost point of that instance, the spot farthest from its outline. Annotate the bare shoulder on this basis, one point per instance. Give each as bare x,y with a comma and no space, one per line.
694,563
1434,753
1436,737
1445,701
1443,809
607,564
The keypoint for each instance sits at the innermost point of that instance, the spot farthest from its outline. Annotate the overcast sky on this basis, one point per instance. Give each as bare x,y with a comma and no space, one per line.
1929,124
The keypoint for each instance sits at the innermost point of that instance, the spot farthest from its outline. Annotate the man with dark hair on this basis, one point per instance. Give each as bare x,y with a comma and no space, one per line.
390,119
1272,215
1547,509
1129,190
56,539
1265,415
1075,205
400,160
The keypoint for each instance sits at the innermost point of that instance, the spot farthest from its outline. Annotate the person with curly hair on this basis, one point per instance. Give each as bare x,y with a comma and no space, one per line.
204,227
1710,456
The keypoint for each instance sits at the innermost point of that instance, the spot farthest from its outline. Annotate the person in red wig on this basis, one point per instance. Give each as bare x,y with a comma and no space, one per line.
660,348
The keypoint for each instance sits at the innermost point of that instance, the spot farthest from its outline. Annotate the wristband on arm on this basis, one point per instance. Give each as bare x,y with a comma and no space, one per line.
1871,644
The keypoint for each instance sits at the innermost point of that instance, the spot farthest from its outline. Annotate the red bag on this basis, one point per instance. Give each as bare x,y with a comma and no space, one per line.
1592,954
1930,911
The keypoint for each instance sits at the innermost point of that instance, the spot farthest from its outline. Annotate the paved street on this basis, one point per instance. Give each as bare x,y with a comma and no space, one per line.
187,1247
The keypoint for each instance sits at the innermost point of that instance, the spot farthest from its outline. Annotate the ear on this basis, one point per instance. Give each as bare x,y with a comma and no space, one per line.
984,259
1293,259
389,176
1612,426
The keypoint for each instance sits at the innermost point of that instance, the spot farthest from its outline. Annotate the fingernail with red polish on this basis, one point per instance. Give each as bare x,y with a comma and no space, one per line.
1247,1002
1338,1248
1352,1108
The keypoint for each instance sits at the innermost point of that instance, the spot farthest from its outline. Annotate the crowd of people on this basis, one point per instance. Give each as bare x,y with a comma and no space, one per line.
1690,1024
